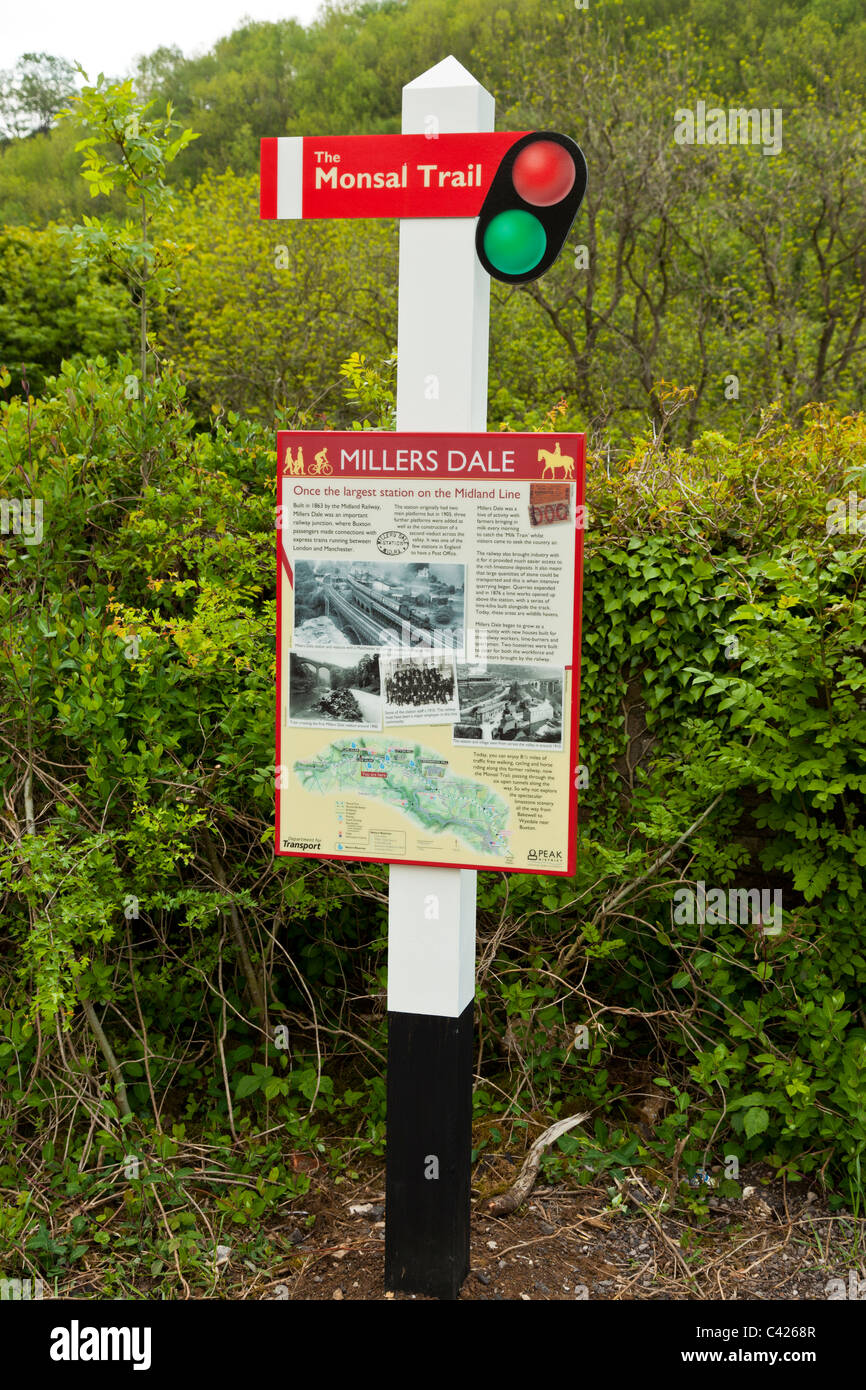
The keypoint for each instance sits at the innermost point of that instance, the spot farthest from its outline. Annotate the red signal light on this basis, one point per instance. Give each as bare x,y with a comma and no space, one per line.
543,173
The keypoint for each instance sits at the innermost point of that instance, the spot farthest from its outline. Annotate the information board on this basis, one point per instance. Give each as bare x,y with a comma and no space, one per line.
428,610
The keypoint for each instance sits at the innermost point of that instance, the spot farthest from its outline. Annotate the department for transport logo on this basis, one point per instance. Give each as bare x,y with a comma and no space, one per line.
302,844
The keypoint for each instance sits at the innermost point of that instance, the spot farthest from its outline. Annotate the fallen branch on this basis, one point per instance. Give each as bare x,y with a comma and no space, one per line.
509,1201
107,1052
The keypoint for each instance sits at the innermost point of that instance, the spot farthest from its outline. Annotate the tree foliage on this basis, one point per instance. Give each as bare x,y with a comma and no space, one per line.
126,150
32,94
52,308
739,273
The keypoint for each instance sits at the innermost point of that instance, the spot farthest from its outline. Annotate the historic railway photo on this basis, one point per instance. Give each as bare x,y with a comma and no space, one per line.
335,687
419,688
350,603
509,702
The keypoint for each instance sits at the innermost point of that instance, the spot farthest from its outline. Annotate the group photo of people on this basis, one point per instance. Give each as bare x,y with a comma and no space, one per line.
411,683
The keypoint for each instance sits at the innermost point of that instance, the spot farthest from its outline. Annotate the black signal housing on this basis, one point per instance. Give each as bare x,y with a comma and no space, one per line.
530,207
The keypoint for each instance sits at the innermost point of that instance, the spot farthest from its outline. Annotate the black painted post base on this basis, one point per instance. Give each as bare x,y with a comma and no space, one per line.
429,1151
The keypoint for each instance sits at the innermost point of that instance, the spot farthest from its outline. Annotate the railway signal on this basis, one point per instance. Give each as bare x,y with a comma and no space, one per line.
530,207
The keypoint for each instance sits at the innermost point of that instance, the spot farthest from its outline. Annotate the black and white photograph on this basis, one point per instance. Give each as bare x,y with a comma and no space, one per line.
419,689
509,702
359,603
342,688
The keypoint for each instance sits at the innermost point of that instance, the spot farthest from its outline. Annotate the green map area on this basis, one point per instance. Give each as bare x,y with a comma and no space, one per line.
414,780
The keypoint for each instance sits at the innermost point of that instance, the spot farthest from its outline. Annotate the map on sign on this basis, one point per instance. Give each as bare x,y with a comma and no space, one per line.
429,647
417,782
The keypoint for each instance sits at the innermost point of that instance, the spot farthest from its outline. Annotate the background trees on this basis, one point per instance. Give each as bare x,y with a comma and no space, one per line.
52,308
32,93
737,273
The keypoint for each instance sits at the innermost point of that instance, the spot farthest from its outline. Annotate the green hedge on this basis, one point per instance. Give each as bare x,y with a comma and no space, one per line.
723,730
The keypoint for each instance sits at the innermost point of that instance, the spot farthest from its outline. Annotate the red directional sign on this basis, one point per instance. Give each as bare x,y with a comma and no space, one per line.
380,175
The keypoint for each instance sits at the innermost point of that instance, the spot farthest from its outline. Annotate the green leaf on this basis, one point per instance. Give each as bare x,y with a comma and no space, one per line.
247,1085
757,1120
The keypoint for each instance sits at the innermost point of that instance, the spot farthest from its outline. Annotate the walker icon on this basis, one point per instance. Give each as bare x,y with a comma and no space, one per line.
320,466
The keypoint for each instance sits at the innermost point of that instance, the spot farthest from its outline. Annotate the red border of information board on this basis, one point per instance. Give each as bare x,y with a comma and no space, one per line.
372,437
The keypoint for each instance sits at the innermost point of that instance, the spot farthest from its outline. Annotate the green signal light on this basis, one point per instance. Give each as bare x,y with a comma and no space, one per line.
514,242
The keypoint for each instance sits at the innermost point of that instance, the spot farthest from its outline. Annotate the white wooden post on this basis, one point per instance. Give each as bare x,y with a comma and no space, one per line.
442,347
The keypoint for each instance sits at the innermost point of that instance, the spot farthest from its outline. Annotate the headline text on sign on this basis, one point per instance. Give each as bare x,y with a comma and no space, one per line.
335,454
